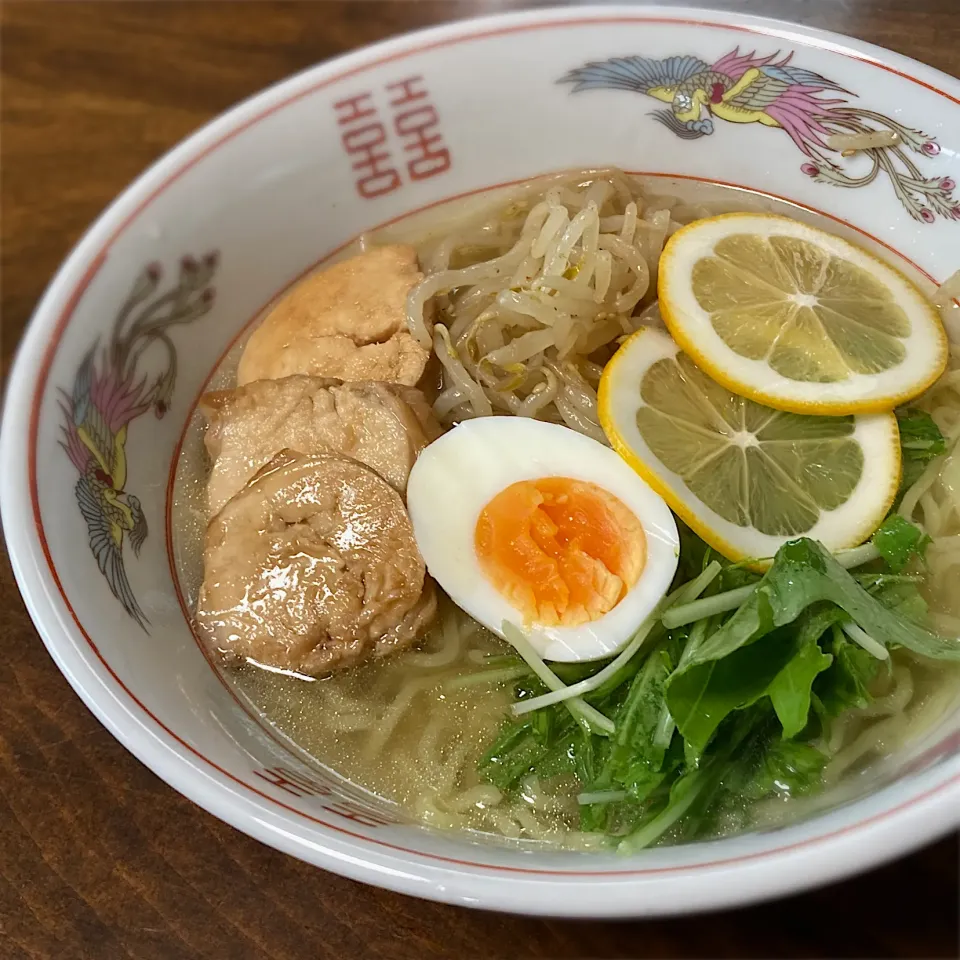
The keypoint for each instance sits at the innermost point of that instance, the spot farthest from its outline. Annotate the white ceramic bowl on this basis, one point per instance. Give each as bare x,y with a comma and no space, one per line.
230,218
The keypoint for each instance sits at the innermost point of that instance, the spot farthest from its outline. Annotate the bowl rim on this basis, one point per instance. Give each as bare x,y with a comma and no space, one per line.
926,813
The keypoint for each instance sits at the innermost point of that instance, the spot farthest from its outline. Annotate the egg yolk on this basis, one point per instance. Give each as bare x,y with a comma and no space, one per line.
563,552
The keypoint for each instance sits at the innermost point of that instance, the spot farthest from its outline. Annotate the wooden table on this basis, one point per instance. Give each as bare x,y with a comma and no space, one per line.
98,858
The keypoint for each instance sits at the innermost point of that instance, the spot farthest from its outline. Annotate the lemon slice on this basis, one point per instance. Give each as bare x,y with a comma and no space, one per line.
795,318
745,477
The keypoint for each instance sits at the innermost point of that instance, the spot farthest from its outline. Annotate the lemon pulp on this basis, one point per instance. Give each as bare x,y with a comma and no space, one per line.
811,315
744,476
755,467
796,318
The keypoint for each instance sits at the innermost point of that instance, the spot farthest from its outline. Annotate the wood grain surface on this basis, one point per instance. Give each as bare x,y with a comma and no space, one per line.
98,858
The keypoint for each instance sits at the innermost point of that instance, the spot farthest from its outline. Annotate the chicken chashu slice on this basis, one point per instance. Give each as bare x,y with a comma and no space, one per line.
384,426
347,321
313,567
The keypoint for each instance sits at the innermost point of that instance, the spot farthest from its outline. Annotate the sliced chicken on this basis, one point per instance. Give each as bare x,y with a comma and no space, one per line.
348,321
313,567
384,426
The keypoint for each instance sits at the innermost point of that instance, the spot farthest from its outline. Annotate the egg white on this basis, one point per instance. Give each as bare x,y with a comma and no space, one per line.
456,476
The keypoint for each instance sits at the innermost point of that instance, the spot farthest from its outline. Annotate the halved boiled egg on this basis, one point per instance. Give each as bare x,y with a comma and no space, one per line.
535,524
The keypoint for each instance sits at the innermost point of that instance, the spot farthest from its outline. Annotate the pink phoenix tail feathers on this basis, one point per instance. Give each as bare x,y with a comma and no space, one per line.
116,383
744,88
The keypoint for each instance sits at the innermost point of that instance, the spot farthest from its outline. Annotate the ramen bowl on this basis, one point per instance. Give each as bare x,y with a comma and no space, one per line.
163,283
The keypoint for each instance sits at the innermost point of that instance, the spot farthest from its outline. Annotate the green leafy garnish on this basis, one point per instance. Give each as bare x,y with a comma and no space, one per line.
845,684
635,760
763,765
791,689
783,667
512,755
776,765
695,786
804,573
899,541
727,701
736,665
905,599
790,767
920,442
